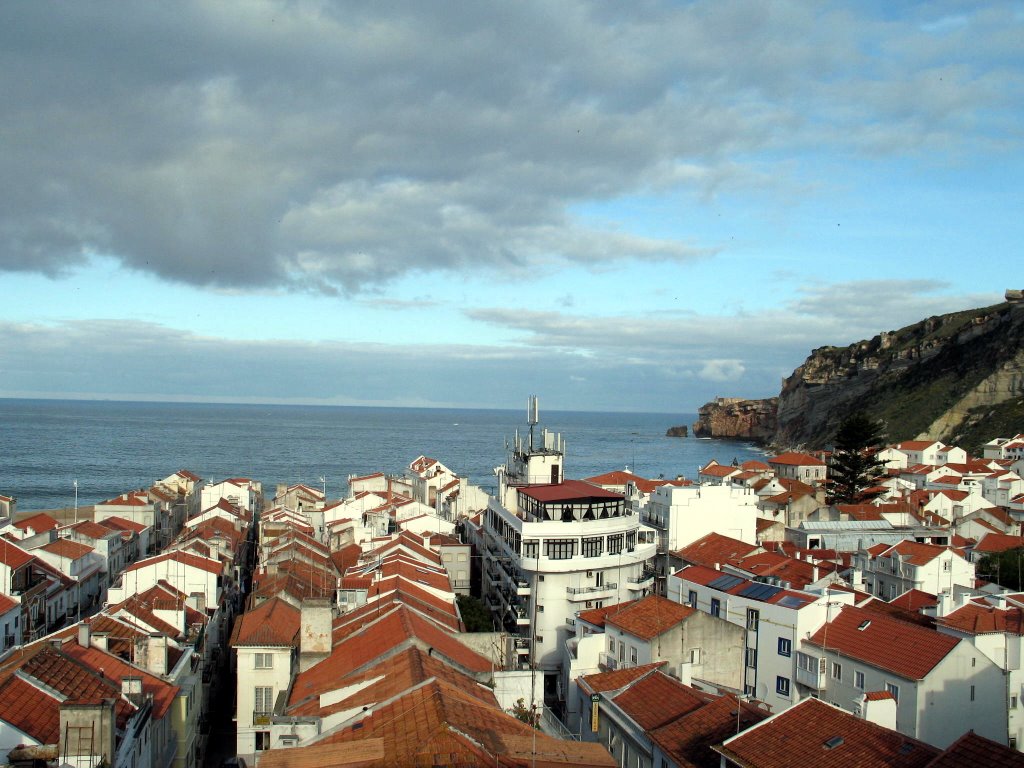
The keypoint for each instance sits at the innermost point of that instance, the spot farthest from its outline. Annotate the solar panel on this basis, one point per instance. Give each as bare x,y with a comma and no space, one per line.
759,591
789,601
727,581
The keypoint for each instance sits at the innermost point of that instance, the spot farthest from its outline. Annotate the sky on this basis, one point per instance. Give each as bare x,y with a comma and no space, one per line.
614,206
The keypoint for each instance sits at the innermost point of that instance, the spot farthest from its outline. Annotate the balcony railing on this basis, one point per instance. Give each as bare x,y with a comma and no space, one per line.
810,671
588,593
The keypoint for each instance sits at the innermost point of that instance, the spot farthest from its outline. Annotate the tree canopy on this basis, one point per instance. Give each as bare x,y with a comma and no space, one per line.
1004,568
854,465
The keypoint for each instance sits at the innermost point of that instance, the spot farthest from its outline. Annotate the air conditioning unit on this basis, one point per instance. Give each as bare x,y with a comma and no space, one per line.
590,574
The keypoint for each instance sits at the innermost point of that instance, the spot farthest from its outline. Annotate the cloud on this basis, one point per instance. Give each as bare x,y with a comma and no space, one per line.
722,370
332,146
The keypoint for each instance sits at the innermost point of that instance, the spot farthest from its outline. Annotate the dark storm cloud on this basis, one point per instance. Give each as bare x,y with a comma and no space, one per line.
326,146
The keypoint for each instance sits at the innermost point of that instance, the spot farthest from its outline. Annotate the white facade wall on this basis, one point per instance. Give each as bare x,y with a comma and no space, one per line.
890,577
183,577
253,673
963,691
689,513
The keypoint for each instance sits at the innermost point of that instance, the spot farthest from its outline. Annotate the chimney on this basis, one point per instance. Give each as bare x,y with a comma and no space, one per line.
156,654
87,731
197,600
942,606
84,634
815,573
315,632
879,708
131,688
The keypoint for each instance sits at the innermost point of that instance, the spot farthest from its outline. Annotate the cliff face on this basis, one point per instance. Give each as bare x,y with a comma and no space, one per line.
733,417
947,378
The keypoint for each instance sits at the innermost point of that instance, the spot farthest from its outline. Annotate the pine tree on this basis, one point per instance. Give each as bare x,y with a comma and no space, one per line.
854,465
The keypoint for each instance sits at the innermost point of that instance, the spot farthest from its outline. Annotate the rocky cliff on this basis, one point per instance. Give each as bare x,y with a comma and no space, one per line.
956,378
735,418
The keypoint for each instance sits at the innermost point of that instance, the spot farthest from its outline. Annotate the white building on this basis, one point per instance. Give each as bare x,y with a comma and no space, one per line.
684,514
942,686
889,571
552,547
995,627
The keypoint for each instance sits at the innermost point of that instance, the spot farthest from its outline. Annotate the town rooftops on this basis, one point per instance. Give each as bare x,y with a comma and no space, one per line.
715,548
890,644
979,619
39,523
649,617
689,739
657,699
819,734
796,460
616,679
272,623
978,752
734,584
72,550
184,558
13,556
998,542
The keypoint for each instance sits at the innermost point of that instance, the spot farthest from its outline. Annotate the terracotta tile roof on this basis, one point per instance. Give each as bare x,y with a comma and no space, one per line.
67,548
698,574
12,556
365,753
690,738
195,561
878,696
123,524
796,460
977,752
975,619
38,523
92,530
915,552
272,623
391,677
715,548
130,499
657,699
30,709
397,629
819,734
109,665
914,445
874,638
597,616
568,490
998,542
649,617
7,604
719,470
755,465
600,682
438,725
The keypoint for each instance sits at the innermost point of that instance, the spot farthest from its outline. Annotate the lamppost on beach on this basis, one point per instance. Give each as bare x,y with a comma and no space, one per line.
76,499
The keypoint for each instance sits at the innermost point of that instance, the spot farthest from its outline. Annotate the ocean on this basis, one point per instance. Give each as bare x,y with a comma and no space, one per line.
112,447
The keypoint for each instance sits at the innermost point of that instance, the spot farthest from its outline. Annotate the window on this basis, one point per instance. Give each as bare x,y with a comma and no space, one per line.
611,645
750,657
622,651
632,658
716,606
785,646
837,671
1013,702
692,599
615,544
972,693
262,740
560,549
264,699
695,655
894,690
782,685
631,541
592,546
858,681
748,690
752,619
530,547
264,660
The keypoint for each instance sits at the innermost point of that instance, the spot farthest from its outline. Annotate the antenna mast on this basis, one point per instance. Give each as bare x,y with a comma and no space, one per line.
532,416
